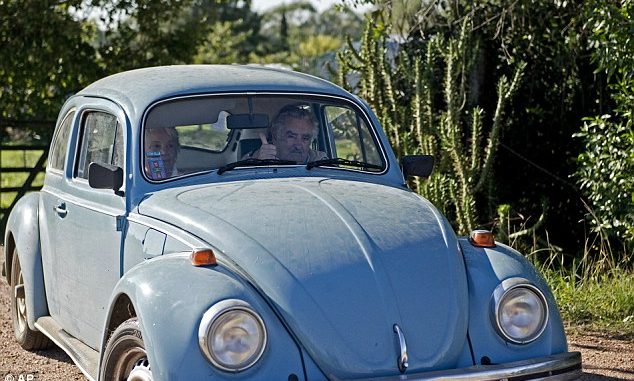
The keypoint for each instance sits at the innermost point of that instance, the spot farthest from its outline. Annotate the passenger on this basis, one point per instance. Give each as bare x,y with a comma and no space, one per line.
161,151
292,132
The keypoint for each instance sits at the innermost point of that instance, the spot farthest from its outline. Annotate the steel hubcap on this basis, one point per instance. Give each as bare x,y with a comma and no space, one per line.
141,371
133,365
20,307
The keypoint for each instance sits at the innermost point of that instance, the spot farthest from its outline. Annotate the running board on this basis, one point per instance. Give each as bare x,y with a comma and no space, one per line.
86,358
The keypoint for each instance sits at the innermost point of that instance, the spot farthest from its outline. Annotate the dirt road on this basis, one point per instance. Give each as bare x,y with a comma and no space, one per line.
605,357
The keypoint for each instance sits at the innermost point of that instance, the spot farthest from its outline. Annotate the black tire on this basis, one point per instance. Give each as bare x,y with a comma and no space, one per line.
25,336
125,357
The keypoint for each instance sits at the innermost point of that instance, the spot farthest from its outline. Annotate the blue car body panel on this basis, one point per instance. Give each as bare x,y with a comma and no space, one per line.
25,235
333,259
486,268
170,295
336,256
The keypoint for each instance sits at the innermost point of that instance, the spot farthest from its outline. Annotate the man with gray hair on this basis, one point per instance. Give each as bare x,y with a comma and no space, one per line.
292,132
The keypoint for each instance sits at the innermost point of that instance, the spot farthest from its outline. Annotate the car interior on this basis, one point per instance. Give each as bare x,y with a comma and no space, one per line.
207,141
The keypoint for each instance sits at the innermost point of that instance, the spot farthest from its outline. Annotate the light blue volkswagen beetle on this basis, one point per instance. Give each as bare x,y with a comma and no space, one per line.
247,223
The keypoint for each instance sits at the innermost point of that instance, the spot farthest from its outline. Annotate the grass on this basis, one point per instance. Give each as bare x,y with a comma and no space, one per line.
595,292
603,302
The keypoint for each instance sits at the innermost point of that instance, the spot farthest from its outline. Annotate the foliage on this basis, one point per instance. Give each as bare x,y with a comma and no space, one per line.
221,45
297,35
166,32
403,87
594,291
537,156
605,172
610,24
562,42
605,300
40,66
606,166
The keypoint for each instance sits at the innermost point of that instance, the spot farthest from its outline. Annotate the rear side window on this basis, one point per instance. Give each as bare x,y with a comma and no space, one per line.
212,135
101,142
57,156
353,140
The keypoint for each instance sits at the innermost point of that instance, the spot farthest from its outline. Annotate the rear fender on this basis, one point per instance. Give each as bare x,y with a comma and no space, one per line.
23,232
486,269
169,297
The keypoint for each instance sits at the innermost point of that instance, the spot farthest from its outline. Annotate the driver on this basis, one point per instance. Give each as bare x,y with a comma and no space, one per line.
292,132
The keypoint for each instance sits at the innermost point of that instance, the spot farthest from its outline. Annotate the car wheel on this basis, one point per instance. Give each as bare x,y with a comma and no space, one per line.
26,337
125,357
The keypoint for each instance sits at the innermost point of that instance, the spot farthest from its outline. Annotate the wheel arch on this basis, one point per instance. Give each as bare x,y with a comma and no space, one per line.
150,293
169,297
8,254
486,269
23,233
122,309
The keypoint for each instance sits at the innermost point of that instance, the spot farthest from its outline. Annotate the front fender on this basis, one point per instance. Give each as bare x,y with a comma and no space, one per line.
23,232
170,296
486,269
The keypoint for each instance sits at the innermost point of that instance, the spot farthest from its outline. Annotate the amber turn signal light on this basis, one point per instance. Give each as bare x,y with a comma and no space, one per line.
482,238
203,257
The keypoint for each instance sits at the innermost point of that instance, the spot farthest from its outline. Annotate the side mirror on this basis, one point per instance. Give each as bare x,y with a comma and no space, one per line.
105,176
417,165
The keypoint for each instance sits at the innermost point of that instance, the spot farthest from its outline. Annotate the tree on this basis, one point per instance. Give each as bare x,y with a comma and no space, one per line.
297,35
165,32
39,65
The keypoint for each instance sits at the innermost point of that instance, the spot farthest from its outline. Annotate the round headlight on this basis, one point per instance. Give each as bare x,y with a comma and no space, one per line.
232,335
520,312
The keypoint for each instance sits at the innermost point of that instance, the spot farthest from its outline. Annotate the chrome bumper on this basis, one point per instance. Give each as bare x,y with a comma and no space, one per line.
563,366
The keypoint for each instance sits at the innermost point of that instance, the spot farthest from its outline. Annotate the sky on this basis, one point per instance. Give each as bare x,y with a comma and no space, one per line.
320,5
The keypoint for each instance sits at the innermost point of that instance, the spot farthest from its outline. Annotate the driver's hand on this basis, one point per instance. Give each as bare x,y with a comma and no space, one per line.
267,150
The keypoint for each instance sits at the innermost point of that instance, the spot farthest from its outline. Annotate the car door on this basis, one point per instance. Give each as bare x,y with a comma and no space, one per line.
51,216
89,226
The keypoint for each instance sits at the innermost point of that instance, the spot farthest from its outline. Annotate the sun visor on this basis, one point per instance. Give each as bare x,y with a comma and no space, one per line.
190,111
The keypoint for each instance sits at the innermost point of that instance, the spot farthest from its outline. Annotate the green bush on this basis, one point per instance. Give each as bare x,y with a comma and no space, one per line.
605,174
606,167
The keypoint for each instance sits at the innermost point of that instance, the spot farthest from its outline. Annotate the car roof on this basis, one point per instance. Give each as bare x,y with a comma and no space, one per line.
137,89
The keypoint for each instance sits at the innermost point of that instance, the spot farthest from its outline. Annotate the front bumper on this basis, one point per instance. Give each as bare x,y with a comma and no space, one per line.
563,366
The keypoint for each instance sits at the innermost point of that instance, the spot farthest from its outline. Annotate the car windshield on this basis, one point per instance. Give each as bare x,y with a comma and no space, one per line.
205,133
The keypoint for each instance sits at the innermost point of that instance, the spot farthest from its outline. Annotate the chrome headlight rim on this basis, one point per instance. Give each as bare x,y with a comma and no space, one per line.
215,312
499,294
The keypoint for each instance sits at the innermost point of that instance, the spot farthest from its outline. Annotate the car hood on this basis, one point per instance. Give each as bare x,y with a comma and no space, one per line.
342,262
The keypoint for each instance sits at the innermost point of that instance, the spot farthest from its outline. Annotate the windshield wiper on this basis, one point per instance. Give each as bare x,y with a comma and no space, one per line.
253,162
340,161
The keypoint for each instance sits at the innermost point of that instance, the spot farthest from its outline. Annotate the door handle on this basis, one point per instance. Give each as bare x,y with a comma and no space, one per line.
61,209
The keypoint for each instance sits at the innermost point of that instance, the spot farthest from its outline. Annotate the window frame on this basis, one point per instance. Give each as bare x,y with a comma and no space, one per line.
80,141
55,146
359,126
310,98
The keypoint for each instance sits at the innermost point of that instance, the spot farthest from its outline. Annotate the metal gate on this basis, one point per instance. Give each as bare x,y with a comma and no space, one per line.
20,187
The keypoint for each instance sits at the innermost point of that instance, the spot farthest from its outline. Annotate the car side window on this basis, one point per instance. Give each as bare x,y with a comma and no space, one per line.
353,140
59,146
101,142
